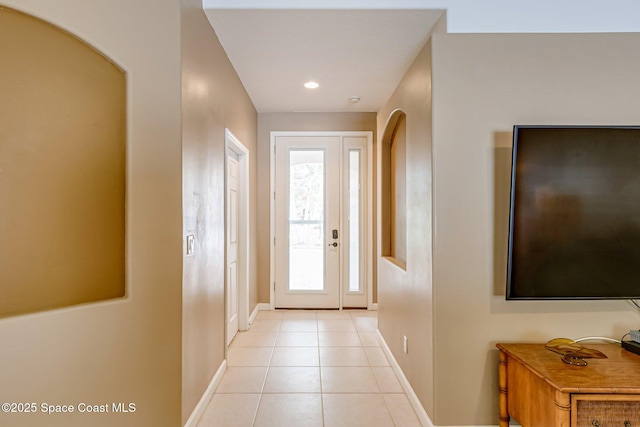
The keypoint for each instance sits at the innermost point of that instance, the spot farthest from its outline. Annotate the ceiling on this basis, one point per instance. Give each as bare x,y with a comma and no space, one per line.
350,53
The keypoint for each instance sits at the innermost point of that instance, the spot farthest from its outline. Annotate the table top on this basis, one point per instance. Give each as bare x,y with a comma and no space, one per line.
619,373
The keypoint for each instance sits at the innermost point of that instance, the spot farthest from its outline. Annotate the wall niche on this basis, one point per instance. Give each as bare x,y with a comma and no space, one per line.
394,189
62,169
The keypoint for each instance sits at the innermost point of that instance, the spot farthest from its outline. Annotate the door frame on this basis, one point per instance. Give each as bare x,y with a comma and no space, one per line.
233,144
368,249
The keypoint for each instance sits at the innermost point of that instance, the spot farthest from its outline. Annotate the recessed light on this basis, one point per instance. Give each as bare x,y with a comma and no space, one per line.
354,99
311,85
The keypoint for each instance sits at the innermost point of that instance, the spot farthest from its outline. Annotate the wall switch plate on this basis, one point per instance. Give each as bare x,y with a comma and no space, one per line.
405,344
191,244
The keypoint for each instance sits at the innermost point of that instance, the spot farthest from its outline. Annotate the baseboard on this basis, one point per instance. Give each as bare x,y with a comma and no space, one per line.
411,395
198,411
263,306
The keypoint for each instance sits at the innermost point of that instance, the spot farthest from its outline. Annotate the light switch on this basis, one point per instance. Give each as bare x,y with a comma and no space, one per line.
191,244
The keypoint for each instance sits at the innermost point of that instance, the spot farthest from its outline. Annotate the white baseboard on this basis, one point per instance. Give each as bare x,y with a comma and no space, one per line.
198,411
411,395
263,306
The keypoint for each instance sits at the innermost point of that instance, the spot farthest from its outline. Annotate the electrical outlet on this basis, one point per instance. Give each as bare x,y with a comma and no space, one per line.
405,344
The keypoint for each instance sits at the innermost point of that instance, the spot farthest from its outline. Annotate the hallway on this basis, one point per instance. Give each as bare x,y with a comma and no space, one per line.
307,368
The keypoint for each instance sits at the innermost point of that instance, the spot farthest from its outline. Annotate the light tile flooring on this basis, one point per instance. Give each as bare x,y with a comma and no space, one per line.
299,368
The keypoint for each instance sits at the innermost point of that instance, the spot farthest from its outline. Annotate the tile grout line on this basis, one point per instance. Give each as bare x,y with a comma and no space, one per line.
320,376
264,382
382,393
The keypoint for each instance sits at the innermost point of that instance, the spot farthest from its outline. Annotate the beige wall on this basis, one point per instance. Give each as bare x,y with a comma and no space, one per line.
482,86
213,99
268,122
405,295
126,350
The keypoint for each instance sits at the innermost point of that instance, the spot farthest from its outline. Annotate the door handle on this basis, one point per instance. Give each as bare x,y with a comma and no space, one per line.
334,244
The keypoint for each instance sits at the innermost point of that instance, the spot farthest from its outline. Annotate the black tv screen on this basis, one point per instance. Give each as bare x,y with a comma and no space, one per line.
574,226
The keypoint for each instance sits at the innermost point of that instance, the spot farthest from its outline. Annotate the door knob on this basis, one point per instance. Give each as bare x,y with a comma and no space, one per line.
334,244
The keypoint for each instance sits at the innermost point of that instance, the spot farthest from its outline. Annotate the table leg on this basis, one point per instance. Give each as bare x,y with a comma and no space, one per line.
503,415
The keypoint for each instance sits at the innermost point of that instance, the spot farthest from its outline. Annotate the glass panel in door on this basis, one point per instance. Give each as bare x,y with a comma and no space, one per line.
306,220
354,221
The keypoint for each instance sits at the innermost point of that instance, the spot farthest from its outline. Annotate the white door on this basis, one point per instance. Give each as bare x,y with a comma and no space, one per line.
232,246
319,227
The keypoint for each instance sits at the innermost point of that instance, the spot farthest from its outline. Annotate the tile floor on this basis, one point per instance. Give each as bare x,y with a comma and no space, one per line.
304,368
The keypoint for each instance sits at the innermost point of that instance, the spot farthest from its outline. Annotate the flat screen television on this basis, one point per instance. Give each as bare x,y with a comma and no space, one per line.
574,223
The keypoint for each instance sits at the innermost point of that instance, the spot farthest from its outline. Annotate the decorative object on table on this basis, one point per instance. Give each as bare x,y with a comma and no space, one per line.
572,352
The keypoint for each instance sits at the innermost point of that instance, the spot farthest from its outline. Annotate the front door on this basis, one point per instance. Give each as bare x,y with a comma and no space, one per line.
320,214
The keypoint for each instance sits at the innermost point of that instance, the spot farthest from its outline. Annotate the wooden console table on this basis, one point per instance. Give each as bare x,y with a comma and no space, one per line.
537,389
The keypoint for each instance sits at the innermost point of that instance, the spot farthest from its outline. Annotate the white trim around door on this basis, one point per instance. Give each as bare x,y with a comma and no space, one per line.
236,150
347,141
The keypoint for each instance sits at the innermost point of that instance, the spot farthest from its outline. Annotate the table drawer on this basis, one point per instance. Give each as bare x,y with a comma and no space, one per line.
605,410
